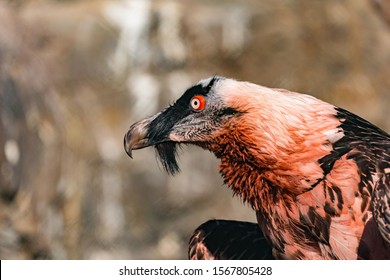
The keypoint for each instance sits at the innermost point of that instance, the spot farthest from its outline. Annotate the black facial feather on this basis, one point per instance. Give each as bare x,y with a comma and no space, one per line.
166,153
160,128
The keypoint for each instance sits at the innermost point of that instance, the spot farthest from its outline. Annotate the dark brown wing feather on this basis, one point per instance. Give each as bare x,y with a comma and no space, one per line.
371,147
229,240
381,206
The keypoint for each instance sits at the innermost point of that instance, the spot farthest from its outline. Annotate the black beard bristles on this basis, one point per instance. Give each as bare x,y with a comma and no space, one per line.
166,153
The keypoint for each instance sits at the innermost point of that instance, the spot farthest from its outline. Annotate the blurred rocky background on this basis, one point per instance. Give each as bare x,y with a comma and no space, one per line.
75,74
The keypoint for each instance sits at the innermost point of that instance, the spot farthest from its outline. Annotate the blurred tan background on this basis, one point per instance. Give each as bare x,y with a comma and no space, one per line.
75,74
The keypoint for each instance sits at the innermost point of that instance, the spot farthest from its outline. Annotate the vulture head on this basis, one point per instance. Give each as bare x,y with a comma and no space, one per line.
197,117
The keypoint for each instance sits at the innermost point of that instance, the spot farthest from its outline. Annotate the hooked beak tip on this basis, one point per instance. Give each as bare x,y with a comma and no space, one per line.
135,139
128,144
128,149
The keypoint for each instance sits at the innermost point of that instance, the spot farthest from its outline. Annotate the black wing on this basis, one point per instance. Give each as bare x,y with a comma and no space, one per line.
229,240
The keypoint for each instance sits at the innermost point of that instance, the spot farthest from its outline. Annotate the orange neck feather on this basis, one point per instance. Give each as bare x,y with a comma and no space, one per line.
276,143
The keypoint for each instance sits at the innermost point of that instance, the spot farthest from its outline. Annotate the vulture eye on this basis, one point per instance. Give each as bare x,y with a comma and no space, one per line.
198,102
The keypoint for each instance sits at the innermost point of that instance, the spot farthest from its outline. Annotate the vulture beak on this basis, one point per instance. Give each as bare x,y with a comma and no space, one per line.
151,131
137,136
156,131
